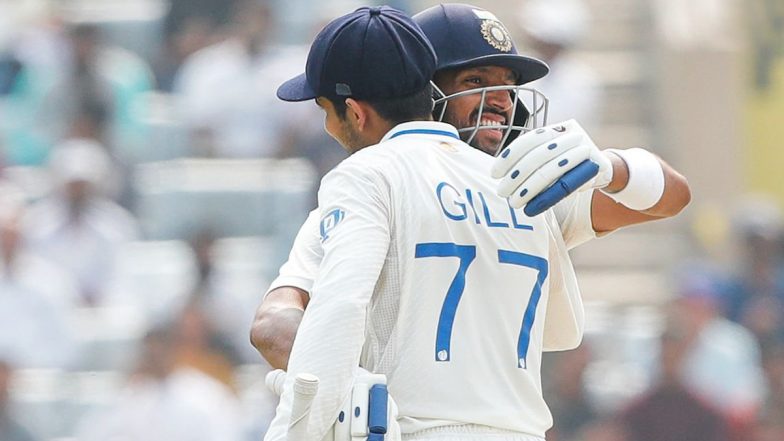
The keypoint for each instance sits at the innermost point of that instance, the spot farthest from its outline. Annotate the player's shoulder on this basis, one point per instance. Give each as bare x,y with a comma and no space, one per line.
416,150
377,158
363,166
398,158
368,159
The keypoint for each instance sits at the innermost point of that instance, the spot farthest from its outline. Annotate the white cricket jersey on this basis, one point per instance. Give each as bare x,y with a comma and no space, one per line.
430,278
563,329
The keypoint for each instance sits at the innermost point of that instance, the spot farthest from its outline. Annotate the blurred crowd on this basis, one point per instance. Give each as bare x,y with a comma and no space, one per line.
712,370
151,184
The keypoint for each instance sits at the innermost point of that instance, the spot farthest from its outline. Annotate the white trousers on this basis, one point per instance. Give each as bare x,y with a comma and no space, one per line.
468,432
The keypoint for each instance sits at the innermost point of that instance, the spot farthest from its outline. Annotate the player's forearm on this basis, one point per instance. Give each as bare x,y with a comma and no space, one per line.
276,323
676,194
608,213
273,334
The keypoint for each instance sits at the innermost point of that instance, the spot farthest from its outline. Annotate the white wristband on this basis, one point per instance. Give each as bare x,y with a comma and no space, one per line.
646,179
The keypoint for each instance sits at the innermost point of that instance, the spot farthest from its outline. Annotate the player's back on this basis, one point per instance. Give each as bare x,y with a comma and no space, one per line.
456,318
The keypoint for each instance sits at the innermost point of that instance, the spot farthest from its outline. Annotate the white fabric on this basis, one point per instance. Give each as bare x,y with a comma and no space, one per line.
468,432
389,198
565,316
344,427
646,179
573,215
571,226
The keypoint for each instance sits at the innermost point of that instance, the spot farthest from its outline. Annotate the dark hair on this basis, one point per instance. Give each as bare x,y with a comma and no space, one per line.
417,106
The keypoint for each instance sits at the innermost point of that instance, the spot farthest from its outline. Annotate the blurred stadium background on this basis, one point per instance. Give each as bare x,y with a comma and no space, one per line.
151,185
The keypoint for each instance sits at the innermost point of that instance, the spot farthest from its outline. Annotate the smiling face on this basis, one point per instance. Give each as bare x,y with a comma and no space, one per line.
463,112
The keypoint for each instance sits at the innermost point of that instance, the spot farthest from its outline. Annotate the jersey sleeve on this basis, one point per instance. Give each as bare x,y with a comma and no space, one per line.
574,218
302,266
565,317
354,230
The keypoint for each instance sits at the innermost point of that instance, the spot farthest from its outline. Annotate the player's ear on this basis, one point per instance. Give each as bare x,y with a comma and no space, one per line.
357,113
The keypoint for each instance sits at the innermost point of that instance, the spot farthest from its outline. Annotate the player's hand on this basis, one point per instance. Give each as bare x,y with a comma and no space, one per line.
359,414
368,413
275,381
543,166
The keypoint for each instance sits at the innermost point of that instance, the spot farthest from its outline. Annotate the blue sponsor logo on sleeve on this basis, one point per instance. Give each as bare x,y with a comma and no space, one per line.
330,221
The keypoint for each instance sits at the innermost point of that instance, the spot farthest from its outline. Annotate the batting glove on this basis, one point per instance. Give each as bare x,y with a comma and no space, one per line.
369,413
542,167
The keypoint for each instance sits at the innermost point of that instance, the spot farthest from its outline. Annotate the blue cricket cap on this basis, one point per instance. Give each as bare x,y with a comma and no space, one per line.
468,36
371,53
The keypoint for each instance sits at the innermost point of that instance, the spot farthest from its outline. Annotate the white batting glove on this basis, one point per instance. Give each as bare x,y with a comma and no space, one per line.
536,160
275,380
358,419
353,422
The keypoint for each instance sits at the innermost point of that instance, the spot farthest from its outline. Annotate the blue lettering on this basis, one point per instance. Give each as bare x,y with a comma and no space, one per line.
455,202
488,220
454,207
514,220
470,197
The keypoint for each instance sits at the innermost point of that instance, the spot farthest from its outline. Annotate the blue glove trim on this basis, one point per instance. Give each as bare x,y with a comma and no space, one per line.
377,409
563,187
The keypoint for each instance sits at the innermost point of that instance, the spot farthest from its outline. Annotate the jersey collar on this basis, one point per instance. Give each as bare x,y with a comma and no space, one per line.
420,128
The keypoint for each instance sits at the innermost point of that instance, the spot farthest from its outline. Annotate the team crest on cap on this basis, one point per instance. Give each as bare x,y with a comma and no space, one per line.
496,34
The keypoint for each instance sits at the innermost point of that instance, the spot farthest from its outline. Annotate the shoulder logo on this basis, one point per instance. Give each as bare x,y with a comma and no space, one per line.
330,221
496,35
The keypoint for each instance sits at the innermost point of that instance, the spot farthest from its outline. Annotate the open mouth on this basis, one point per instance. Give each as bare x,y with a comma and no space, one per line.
492,124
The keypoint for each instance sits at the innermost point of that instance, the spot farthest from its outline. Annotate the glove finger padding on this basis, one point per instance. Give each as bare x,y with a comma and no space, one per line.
537,163
546,175
354,420
369,412
521,146
536,158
